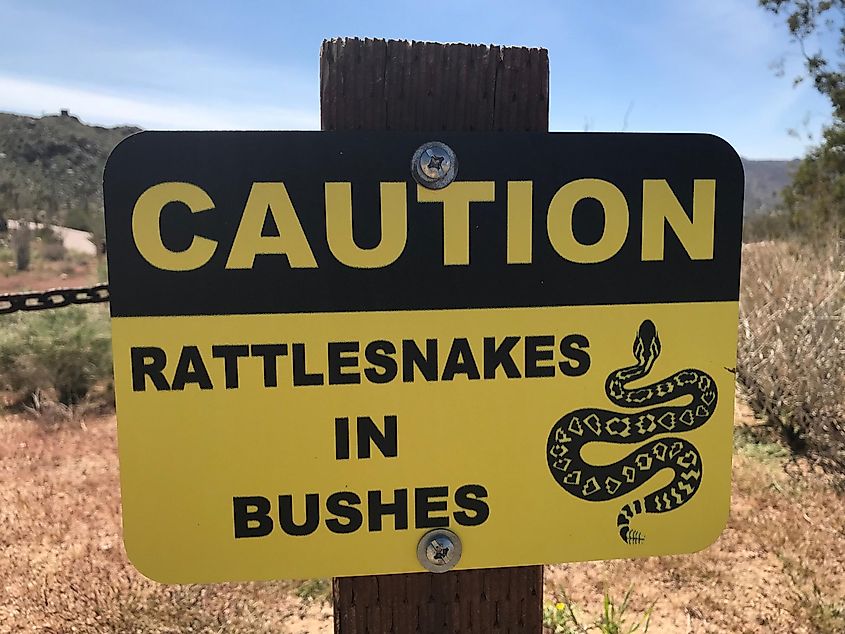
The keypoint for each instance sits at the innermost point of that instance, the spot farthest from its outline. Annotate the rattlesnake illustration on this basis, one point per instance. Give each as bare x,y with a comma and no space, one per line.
599,483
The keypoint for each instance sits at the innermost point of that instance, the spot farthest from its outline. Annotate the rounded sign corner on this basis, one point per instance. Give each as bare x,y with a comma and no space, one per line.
140,563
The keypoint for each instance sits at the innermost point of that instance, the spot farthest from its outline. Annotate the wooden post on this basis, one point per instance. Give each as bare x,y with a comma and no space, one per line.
397,85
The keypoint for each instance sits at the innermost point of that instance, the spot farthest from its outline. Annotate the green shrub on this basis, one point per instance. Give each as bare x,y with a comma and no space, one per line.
314,590
78,217
558,618
22,246
46,233
615,617
775,225
64,353
6,254
53,251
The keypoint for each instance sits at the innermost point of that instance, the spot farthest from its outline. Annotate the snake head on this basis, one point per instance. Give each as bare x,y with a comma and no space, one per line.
647,344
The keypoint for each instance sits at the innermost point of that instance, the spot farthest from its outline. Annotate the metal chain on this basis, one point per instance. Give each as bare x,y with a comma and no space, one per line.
53,298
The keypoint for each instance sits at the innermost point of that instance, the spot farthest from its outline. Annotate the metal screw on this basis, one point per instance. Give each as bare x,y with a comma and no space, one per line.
439,550
434,165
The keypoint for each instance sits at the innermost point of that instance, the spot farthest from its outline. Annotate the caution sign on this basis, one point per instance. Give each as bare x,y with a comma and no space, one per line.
318,359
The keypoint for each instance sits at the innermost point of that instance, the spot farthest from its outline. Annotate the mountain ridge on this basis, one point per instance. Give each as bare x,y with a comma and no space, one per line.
51,168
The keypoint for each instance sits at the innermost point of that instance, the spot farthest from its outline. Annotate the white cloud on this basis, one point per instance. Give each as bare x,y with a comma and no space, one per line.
100,107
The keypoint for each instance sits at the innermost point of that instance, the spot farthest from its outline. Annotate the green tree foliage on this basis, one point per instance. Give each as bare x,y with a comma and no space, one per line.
51,169
815,201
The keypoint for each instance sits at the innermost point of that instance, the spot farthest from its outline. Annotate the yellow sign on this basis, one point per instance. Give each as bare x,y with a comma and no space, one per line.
537,357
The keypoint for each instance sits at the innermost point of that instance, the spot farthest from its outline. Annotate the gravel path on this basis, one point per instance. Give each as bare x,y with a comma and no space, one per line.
73,239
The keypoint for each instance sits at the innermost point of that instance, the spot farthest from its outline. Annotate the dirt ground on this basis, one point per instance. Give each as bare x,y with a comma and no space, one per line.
79,271
778,567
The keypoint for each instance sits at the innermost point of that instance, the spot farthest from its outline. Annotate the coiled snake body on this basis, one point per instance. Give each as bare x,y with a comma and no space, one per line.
599,483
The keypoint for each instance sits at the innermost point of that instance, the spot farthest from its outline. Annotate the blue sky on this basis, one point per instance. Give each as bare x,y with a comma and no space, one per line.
645,65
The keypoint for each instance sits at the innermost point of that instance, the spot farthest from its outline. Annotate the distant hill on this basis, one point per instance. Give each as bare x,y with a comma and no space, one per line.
51,168
764,182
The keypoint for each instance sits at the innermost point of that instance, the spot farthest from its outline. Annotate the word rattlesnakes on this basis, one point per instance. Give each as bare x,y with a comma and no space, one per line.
599,483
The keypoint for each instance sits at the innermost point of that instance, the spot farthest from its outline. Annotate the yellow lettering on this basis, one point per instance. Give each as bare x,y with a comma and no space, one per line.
394,226
249,242
456,198
660,205
520,211
146,226
559,220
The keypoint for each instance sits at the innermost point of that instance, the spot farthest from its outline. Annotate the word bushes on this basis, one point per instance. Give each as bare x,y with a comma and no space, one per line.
347,512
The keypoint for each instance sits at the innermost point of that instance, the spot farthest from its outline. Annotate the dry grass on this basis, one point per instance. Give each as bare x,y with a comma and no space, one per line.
792,343
62,564
785,521
779,566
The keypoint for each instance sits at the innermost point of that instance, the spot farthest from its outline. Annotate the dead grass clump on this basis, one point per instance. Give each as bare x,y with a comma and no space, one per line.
102,597
62,565
823,612
51,415
779,566
791,358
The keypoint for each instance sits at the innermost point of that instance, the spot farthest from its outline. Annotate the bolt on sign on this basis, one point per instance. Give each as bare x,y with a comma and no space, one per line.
324,352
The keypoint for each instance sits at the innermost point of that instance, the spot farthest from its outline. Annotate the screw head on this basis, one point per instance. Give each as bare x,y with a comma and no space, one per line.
434,165
439,550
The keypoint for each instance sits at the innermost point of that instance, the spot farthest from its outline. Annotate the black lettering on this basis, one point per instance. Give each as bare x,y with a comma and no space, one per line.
534,354
574,347
470,498
191,369
376,509
341,438
368,432
269,352
148,362
413,357
230,356
337,362
378,353
424,506
342,504
496,356
460,361
252,516
300,374
312,515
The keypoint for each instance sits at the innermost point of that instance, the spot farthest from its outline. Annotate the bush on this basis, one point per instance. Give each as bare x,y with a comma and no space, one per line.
791,357
52,245
774,225
22,246
53,251
64,353
815,200
615,617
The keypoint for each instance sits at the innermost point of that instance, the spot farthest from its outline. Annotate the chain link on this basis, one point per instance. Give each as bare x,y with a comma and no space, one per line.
53,298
